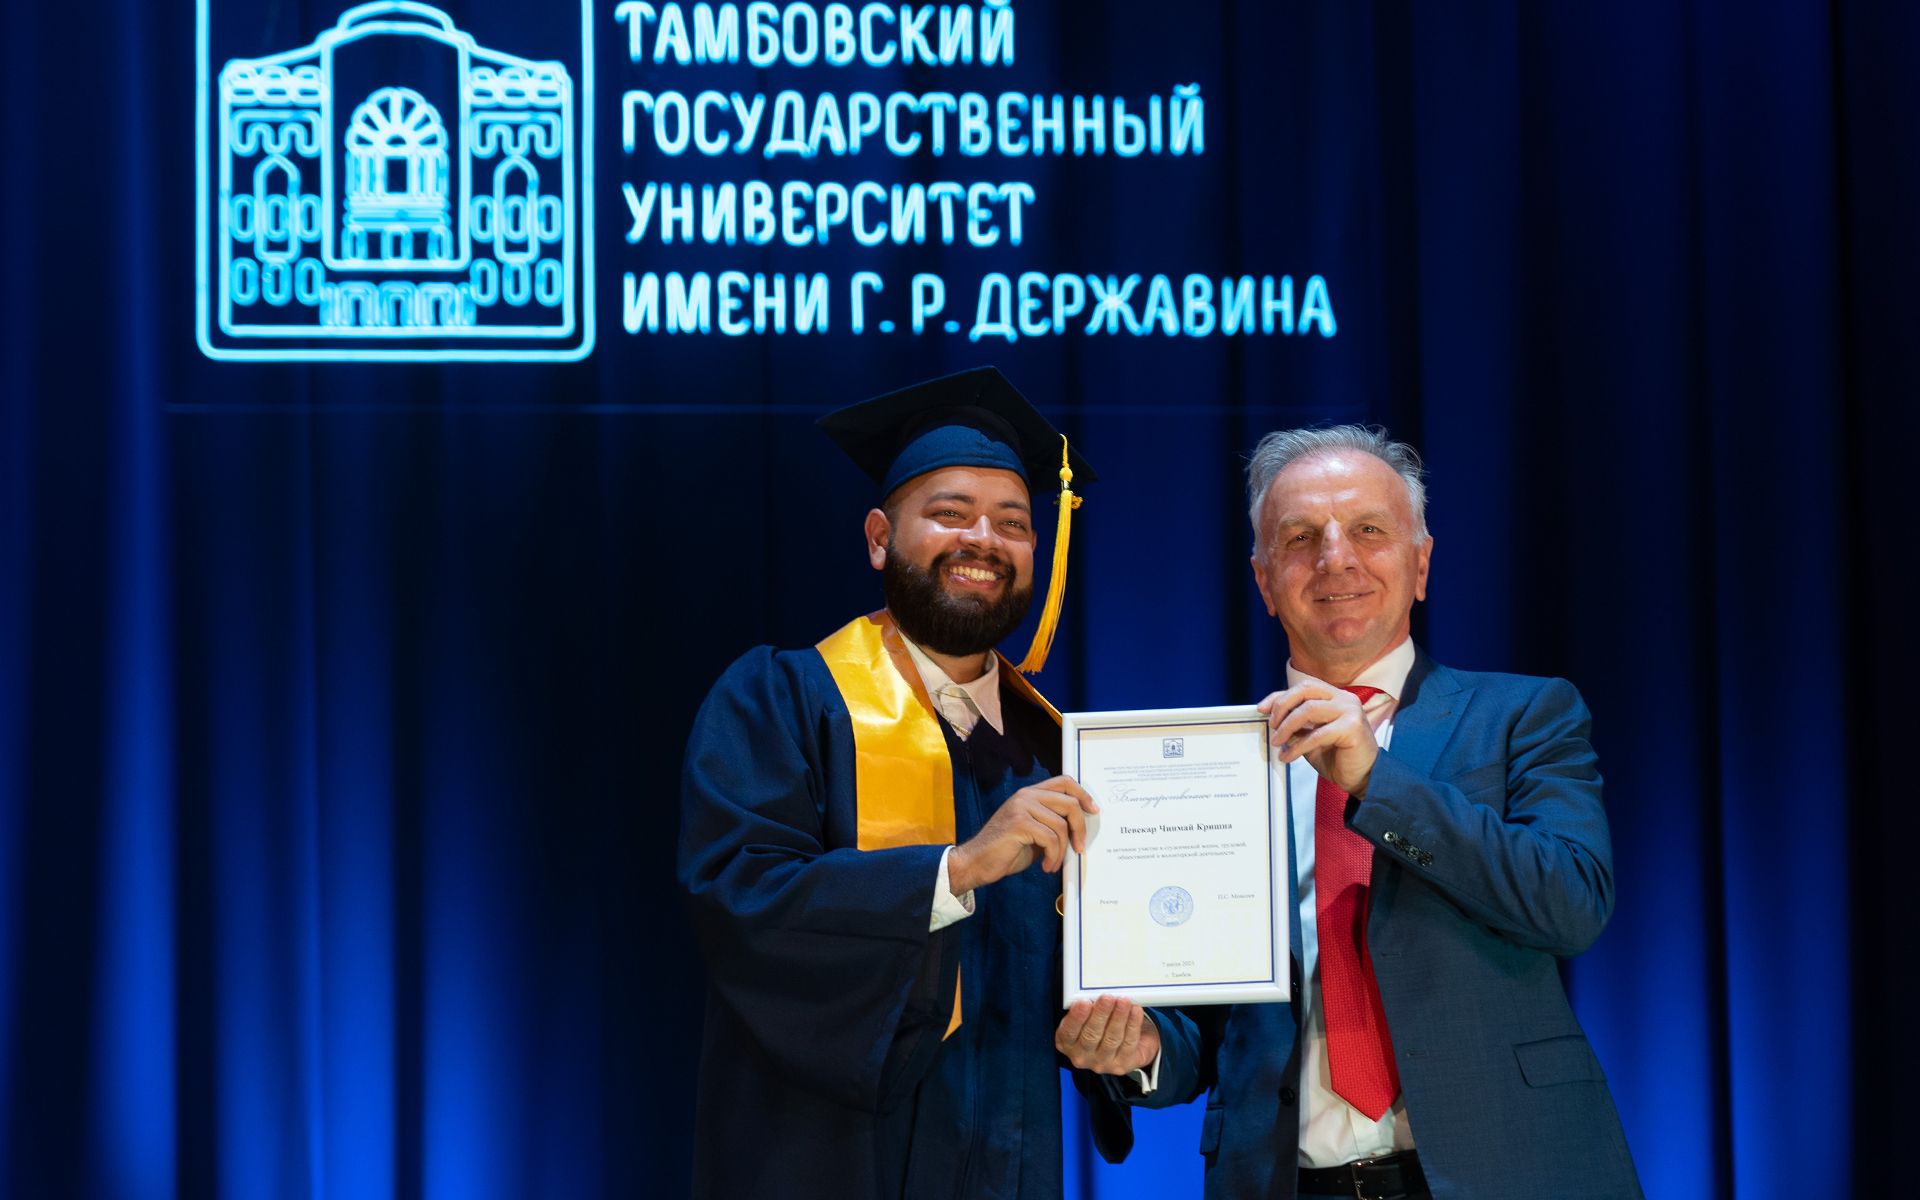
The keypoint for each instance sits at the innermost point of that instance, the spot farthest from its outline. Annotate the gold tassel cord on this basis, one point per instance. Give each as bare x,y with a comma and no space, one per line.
1057,582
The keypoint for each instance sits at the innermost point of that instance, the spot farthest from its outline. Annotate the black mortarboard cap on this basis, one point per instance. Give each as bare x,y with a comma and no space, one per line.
973,419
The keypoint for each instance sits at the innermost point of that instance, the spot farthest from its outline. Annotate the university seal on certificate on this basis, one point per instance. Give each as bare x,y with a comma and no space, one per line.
1171,906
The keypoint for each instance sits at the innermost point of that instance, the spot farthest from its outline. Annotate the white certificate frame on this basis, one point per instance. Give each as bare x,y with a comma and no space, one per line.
1136,936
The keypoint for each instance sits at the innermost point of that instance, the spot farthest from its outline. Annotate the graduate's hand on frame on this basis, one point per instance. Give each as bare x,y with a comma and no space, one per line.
1108,1036
1039,821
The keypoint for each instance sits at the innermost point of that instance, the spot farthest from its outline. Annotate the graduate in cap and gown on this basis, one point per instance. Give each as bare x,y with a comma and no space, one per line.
871,830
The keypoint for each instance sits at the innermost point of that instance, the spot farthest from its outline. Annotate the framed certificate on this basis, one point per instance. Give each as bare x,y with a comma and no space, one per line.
1181,896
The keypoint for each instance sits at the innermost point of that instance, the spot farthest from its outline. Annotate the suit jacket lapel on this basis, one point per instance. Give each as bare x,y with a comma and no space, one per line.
1424,721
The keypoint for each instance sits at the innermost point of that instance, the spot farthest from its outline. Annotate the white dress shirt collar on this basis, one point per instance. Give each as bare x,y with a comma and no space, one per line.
962,704
1389,674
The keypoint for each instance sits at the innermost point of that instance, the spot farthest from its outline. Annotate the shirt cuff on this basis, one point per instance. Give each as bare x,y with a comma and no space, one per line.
1149,1078
947,907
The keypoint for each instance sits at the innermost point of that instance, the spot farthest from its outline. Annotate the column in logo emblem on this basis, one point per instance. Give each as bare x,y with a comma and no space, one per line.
395,189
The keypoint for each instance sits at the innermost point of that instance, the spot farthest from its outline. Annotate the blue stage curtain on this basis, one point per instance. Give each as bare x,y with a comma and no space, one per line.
341,706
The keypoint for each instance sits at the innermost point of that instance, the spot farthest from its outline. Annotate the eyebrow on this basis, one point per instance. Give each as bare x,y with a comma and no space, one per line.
967,498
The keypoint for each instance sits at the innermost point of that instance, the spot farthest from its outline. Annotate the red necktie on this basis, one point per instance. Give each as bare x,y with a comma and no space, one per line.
1359,1049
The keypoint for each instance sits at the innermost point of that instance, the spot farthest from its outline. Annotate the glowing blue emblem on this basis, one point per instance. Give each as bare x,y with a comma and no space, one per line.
396,191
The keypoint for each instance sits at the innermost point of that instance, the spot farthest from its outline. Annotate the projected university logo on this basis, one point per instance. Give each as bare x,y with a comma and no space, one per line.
396,191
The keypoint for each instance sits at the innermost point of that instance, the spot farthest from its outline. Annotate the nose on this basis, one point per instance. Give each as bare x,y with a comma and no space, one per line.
1336,554
980,533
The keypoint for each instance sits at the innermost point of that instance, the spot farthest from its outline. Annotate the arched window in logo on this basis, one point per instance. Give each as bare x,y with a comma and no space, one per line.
397,210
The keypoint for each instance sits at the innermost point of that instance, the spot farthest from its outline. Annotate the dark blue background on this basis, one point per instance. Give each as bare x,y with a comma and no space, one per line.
341,706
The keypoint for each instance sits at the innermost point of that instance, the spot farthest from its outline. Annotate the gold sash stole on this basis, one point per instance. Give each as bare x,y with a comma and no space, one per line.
903,777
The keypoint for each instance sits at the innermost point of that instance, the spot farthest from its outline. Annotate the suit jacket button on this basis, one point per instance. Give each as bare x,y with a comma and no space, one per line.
1391,837
1287,1097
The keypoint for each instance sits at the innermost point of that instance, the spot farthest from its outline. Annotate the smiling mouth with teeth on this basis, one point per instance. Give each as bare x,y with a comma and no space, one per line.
976,574
1341,596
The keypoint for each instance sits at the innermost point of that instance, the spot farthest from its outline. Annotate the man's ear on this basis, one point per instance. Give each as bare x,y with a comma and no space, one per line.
879,532
1260,581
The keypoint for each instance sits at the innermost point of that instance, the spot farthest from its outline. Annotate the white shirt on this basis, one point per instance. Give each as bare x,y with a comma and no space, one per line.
963,705
1331,1130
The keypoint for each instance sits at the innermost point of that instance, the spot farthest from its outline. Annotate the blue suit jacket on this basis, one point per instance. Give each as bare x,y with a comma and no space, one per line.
1492,862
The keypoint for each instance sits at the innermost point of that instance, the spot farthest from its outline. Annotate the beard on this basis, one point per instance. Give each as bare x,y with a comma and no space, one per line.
943,622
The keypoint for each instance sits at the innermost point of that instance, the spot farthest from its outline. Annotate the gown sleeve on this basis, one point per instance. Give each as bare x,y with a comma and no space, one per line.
820,950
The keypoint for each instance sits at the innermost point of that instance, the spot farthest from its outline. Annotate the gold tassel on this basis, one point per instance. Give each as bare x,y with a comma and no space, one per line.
1057,582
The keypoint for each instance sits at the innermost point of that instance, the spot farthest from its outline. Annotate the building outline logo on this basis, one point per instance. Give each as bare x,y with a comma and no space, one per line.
346,216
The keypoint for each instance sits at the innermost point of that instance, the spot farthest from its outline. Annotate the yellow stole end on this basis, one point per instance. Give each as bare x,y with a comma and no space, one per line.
903,778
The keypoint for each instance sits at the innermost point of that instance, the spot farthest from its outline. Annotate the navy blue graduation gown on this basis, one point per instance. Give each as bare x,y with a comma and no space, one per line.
823,1069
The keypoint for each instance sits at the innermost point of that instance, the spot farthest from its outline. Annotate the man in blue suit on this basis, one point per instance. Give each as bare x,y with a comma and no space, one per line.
1449,848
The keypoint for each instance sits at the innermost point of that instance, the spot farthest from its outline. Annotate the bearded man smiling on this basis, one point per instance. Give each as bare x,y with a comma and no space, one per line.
868,832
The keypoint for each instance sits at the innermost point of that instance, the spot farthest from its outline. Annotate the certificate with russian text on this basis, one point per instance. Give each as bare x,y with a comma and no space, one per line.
1180,897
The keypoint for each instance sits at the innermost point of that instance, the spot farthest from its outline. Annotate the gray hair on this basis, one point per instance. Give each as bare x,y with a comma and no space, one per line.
1278,451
